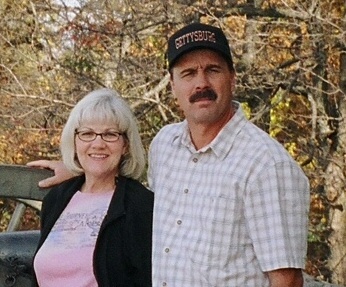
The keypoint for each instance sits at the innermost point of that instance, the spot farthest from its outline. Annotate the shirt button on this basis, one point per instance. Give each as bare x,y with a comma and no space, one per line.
195,159
164,284
179,222
186,190
166,250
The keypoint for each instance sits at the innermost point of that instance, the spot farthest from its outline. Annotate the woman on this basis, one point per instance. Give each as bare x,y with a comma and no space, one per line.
96,227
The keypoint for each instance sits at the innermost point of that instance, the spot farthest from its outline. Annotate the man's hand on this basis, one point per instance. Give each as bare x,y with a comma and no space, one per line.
61,173
286,277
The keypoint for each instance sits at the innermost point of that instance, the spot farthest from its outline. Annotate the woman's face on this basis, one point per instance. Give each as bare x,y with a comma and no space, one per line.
100,157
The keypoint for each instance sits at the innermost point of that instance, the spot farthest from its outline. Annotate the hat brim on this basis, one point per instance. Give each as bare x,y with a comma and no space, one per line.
199,46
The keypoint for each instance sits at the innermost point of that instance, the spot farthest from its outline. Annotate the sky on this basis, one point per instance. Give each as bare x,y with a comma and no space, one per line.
71,3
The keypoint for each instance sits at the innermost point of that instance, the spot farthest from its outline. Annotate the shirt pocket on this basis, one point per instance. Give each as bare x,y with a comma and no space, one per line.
214,230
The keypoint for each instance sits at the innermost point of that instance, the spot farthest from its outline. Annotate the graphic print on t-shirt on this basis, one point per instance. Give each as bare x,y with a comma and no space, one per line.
84,226
79,224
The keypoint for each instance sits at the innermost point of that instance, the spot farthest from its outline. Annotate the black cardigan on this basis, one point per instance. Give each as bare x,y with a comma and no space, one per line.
122,255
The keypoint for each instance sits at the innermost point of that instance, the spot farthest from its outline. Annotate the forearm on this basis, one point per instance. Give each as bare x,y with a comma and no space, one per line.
61,173
286,277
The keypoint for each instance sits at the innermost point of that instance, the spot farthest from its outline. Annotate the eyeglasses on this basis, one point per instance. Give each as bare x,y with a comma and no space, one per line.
89,136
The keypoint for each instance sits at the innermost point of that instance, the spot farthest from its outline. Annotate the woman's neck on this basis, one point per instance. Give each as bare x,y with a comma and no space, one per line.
98,185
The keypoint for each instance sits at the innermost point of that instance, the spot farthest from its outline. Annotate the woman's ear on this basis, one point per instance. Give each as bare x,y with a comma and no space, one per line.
126,147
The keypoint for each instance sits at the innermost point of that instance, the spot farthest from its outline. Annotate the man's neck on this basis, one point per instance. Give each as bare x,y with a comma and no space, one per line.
203,134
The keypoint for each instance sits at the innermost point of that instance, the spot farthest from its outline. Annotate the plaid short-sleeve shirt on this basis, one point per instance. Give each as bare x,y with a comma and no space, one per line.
225,214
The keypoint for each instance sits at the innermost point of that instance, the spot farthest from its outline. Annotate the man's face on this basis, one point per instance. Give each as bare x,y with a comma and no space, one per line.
203,84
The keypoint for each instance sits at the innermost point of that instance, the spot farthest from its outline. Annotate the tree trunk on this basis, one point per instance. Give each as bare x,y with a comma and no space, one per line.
337,189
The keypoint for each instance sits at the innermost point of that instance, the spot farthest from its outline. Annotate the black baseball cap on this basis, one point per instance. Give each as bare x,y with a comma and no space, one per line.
197,36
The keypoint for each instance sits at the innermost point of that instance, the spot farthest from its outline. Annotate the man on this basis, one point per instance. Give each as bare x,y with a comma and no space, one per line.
231,205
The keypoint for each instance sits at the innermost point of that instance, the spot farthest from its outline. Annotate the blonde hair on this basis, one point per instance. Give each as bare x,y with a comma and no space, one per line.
104,105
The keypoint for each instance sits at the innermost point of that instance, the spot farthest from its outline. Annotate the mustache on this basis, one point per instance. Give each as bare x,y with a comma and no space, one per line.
206,94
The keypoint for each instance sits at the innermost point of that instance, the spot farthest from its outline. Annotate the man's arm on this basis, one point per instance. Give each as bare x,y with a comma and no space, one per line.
286,277
61,173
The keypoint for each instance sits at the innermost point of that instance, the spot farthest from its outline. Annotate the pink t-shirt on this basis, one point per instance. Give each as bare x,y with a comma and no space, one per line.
66,256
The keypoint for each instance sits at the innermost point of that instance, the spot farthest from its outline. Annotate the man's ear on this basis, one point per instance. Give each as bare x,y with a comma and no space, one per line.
171,82
233,82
